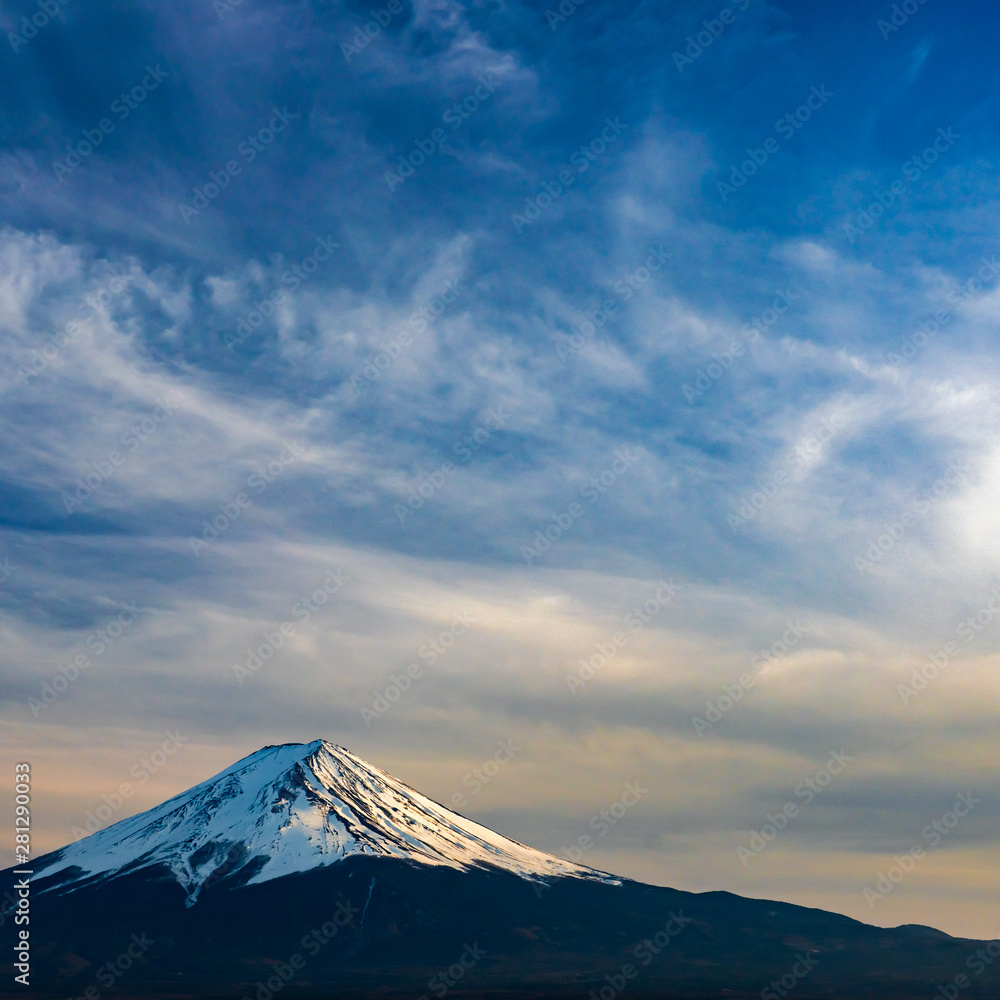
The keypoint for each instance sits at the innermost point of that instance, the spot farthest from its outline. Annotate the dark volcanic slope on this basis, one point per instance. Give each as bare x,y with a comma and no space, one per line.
380,926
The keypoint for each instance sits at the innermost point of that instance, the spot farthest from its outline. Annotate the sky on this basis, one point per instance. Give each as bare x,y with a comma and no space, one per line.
568,409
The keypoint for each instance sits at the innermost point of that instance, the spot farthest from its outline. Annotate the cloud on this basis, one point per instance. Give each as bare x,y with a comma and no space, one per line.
810,415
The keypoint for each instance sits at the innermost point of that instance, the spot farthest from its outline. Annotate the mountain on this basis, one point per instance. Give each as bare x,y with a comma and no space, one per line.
304,871
289,809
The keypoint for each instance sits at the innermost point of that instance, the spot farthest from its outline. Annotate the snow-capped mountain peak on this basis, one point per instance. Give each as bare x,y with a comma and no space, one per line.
288,809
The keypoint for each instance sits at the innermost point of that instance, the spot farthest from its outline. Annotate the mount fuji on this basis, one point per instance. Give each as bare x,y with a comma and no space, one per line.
303,871
286,810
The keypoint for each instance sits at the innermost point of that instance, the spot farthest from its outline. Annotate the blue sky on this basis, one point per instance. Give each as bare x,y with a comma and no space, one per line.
720,314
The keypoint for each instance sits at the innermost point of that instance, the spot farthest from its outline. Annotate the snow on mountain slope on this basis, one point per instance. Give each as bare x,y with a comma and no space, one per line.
289,809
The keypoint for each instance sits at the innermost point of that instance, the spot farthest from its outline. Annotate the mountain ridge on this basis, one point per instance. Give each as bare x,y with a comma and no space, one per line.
304,870
288,808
